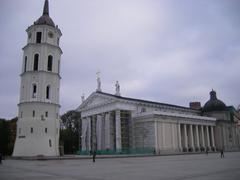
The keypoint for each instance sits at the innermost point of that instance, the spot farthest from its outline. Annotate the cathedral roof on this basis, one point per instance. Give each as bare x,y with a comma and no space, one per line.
45,18
143,101
214,104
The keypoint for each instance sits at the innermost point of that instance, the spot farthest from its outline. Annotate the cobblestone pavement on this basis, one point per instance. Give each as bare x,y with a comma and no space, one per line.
180,167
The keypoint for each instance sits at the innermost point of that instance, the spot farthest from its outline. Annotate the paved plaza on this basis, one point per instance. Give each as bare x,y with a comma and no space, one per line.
179,167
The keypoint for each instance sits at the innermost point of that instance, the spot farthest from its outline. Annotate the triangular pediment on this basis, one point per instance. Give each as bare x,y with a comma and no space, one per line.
96,99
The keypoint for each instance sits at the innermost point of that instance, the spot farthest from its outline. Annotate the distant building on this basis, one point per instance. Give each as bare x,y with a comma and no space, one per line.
121,124
38,118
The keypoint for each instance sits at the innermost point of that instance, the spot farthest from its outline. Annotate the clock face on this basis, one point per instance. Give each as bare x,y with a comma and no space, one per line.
50,34
29,35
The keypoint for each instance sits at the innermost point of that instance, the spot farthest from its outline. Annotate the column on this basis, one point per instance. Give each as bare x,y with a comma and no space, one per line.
197,136
99,132
202,137
179,137
107,130
103,131
185,137
208,142
212,137
118,130
191,138
84,134
89,133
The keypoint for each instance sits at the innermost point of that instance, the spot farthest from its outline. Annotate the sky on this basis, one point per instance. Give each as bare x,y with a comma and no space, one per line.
168,51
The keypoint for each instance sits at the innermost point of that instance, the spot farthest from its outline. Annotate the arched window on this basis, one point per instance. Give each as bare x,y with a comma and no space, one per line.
35,65
48,92
25,64
50,143
50,61
31,129
34,91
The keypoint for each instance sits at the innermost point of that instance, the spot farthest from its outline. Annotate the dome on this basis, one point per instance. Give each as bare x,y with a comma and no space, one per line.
214,104
45,18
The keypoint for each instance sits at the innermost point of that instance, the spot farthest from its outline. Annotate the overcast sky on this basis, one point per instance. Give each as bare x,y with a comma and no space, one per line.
168,51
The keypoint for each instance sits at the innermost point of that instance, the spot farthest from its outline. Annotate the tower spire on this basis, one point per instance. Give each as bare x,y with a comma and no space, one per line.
46,8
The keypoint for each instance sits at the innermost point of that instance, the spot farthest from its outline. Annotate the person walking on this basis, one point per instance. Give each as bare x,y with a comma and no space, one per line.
94,155
222,153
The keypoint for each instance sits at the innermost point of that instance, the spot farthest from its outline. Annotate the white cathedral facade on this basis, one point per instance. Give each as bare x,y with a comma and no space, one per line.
113,123
38,118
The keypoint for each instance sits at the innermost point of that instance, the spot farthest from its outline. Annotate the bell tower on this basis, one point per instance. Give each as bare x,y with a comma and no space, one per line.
38,110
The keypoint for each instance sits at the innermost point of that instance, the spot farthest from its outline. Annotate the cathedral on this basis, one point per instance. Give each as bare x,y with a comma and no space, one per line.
114,124
110,123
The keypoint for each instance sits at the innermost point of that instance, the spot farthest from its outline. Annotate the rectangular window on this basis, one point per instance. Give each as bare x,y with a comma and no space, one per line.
31,129
45,130
39,37
33,113
46,114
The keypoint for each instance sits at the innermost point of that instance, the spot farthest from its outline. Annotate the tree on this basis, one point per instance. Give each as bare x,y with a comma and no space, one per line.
7,135
69,132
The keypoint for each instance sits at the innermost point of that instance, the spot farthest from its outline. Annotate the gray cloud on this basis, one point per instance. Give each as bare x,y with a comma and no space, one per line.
167,51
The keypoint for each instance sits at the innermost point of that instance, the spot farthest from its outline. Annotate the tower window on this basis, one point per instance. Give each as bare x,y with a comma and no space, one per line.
50,60
21,114
46,114
33,113
48,92
25,64
45,130
39,37
50,143
35,65
31,129
34,91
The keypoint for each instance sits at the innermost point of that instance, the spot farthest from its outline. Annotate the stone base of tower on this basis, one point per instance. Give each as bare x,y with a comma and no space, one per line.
35,147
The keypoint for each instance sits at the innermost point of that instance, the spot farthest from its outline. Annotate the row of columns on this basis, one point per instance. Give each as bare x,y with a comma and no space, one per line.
196,137
101,138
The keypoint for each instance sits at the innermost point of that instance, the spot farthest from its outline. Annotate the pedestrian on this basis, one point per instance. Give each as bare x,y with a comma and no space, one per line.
94,155
222,153
0,158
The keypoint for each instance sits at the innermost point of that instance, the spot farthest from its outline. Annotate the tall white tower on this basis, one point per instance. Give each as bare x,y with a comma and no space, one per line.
38,118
